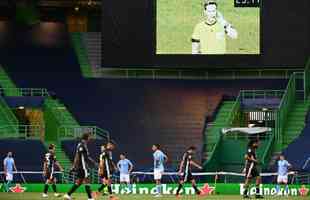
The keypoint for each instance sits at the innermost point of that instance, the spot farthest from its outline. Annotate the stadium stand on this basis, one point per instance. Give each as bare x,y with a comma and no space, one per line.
92,43
180,116
298,151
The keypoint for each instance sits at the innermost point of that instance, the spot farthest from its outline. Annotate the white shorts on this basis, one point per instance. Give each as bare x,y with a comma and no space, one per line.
9,177
124,178
158,173
282,179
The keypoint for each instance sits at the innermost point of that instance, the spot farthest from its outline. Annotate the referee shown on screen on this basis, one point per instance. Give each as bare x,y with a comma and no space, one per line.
209,36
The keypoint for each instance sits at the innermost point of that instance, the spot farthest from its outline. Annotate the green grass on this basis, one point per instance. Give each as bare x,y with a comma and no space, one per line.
176,20
37,196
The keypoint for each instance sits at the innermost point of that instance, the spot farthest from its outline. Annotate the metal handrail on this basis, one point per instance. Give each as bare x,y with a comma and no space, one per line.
7,112
259,93
26,91
77,131
24,131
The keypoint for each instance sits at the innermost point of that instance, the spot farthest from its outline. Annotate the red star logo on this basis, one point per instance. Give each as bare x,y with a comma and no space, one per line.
17,189
206,189
303,191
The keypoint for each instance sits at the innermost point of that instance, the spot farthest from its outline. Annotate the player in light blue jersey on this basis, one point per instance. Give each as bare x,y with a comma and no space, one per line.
124,167
9,167
283,167
159,159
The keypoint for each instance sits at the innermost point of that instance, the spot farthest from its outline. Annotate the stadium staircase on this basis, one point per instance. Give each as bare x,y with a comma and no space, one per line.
296,122
81,53
212,131
8,121
56,113
7,84
92,43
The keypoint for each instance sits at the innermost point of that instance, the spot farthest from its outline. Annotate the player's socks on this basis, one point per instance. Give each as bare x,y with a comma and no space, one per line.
286,189
158,188
102,187
258,196
45,188
7,186
278,189
245,192
88,191
109,189
129,186
72,190
54,188
179,189
197,191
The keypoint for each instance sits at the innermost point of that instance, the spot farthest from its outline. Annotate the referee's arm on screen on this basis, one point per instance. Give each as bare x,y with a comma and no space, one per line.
229,29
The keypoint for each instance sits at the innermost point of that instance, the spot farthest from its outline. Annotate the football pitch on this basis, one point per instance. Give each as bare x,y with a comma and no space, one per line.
82,196
176,19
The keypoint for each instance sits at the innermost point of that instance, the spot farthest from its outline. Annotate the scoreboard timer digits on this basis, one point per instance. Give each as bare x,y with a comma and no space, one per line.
247,3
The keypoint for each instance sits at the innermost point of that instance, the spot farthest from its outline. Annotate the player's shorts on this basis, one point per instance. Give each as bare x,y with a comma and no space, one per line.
251,172
124,178
282,179
9,177
106,174
187,176
158,173
49,176
82,173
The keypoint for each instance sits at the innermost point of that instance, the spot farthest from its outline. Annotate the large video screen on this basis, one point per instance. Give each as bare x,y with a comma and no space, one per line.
230,34
213,27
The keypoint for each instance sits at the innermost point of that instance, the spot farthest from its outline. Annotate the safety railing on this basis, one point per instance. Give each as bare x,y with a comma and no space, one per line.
307,79
22,131
285,106
7,112
235,111
261,94
24,92
77,131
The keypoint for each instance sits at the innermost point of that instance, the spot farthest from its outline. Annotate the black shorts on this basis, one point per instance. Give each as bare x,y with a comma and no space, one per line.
49,175
106,174
187,176
251,171
82,173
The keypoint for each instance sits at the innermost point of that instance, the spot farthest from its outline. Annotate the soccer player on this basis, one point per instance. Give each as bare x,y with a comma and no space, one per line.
185,170
125,168
9,166
209,36
159,159
283,167
81,164
106,168
48,170
251,170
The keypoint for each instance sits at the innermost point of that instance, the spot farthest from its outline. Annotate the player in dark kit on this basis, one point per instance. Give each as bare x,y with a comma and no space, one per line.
106,167
81,164
185,170
49,164
251,170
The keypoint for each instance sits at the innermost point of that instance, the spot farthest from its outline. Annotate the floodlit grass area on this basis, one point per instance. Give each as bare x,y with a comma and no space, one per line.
82,196
176,19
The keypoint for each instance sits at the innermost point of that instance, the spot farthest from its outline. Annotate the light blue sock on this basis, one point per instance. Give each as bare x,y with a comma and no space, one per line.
158,189
129,187
286,189
278,188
